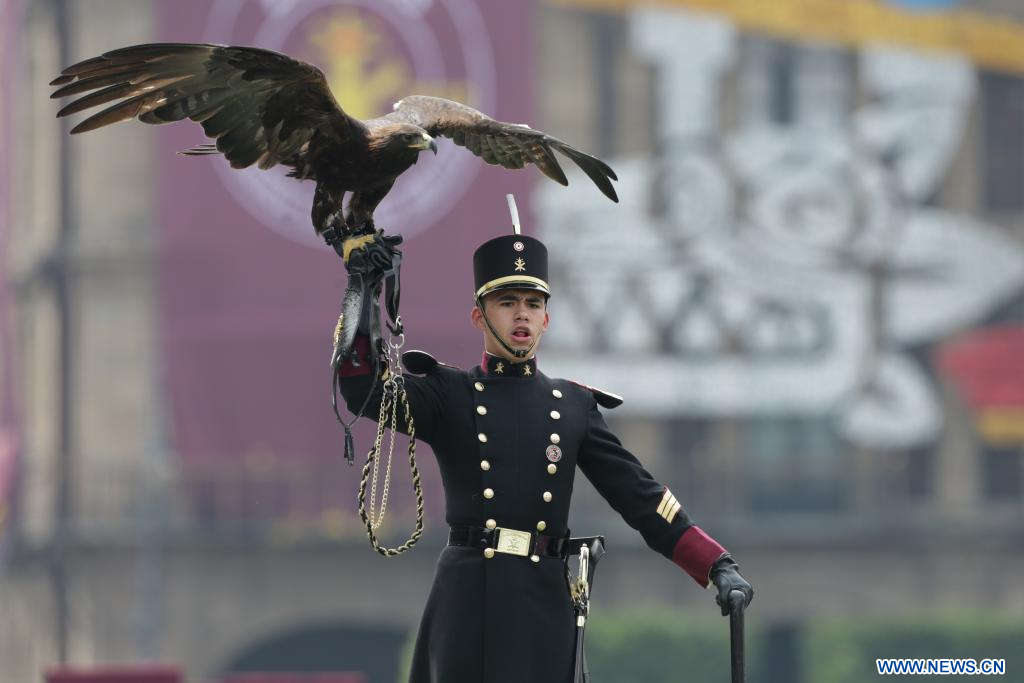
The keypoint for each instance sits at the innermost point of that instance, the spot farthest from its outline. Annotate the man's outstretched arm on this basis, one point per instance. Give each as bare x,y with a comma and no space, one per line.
653,510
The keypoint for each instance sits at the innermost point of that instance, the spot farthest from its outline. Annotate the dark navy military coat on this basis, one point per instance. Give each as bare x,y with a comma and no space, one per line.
508,440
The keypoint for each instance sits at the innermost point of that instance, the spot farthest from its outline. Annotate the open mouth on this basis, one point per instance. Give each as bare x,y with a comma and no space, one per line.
521,334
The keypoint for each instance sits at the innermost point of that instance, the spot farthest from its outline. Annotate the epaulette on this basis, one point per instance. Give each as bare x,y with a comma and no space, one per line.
605,399
420,362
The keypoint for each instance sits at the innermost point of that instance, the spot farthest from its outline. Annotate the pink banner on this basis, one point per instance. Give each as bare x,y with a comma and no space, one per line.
249,295
115,674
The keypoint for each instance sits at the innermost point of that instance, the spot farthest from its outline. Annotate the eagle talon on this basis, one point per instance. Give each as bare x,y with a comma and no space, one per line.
355,226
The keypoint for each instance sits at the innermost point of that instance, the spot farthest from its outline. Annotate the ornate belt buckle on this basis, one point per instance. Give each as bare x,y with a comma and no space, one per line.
513,542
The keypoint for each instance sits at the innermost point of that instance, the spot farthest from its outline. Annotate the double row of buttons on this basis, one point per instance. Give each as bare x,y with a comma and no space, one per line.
485,465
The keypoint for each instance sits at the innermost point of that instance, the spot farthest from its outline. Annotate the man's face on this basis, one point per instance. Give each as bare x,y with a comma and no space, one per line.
520,316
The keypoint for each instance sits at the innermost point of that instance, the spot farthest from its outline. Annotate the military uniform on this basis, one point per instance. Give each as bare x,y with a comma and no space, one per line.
508,440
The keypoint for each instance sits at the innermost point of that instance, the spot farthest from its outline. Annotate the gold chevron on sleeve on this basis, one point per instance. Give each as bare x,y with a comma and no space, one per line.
664,499
669,506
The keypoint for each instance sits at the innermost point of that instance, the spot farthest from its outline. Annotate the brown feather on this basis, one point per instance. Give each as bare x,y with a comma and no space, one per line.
496,142
546,161
260,105
593,168
488,151
115,92
97,81
122,111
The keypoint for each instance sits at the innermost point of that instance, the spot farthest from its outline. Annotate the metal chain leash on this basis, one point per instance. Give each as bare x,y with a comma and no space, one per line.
394,398
387,408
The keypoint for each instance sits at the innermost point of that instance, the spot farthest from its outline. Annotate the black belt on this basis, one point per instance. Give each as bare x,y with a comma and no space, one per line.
510,541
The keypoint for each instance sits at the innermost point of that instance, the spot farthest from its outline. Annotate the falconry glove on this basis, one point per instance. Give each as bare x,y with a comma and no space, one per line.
373,263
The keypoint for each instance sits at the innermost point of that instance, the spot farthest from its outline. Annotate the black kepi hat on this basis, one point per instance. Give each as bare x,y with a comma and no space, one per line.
511,261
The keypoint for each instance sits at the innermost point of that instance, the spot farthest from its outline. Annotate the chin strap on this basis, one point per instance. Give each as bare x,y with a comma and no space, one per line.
517,353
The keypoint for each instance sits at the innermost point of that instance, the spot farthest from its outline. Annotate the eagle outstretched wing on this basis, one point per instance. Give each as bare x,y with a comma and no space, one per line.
510,145
261,107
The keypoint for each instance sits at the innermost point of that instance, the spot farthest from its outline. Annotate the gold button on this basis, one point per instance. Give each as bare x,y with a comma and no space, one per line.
555,415
488,493
552,469
482,437
490,524
547,496
556,393
478,386
555,438
542,525
488,553
481,410
535,558
484,465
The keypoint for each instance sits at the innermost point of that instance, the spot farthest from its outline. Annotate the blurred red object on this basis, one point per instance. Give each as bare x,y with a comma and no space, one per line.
988,366
115,674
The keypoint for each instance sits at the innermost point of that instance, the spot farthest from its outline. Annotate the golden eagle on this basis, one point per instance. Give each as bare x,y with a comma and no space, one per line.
265,108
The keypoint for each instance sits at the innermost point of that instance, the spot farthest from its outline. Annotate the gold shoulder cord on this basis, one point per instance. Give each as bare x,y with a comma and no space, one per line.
394,396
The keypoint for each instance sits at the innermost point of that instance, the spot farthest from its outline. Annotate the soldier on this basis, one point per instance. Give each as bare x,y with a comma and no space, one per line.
508,440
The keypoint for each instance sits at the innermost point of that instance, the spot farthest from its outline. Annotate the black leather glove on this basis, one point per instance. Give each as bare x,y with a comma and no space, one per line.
725,574
368,258
373,264
369,255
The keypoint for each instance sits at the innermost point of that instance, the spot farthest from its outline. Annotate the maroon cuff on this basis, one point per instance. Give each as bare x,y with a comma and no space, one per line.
361,350
696,552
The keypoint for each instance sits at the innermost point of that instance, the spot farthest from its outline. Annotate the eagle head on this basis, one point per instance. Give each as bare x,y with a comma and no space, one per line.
397,146
408,136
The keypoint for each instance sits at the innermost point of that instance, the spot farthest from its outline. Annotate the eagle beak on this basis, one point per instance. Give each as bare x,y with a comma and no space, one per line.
426,142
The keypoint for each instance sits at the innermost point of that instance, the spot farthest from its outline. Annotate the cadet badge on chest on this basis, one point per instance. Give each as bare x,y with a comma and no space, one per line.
554,453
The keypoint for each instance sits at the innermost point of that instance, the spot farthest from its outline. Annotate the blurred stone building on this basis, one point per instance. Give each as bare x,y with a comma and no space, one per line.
810,297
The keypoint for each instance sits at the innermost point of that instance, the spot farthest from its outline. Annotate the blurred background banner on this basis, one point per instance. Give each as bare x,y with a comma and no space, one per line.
10,55
249,294
784,262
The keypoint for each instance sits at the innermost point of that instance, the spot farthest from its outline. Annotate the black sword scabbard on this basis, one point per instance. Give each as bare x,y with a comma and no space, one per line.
591,550
737,603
